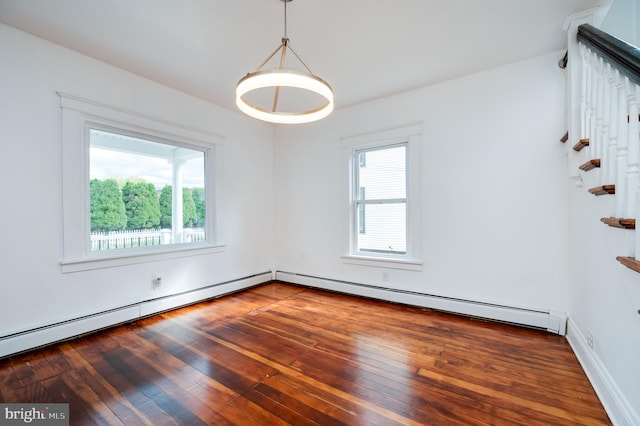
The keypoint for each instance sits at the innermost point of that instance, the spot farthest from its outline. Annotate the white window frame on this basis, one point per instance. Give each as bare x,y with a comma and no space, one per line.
411,135
78,117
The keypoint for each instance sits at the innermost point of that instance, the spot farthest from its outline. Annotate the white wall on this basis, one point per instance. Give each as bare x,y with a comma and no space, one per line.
623,21
34,292
604,301
494,210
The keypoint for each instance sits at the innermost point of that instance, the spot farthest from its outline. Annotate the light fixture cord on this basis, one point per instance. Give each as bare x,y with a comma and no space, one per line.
285,17
284,45
285,42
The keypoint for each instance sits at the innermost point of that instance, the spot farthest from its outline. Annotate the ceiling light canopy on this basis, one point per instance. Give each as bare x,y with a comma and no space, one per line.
312,96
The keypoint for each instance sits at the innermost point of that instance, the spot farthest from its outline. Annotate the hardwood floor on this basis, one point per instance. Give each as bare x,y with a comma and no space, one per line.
281,354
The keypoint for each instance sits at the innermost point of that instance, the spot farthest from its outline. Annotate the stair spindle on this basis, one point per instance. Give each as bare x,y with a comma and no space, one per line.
600,103
584,95
633,151
622,151
634,161
614,108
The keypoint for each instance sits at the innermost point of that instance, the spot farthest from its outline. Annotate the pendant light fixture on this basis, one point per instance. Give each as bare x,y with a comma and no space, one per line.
304,85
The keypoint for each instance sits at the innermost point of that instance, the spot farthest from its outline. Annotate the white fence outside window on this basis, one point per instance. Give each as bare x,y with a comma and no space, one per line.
141,238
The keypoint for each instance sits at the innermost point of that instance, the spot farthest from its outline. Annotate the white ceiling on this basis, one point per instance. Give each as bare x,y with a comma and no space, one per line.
365,49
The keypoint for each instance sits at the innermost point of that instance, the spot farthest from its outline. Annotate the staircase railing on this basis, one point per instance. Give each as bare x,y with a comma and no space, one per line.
609,90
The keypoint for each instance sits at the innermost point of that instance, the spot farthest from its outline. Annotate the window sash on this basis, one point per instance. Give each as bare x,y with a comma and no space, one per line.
386,231
360,202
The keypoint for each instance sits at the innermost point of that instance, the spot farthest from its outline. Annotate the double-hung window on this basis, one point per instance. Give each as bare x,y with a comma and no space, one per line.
384,198
381,201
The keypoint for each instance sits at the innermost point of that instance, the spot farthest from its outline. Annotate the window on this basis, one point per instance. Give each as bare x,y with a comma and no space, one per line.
135,189
384,207
133,182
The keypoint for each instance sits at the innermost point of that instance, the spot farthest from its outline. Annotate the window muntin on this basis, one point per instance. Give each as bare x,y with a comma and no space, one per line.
133,181
380,177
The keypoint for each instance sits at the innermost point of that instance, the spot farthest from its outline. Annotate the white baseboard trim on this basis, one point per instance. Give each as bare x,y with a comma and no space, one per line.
618,408
34,338
175,301
554,322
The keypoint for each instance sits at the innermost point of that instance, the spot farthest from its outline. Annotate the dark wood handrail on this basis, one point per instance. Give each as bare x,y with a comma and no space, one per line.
625,56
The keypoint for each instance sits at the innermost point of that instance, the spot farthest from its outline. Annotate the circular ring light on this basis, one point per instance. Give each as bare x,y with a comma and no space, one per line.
284,78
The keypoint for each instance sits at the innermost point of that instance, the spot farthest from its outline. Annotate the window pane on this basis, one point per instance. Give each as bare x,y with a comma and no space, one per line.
386,228
383,173
133,182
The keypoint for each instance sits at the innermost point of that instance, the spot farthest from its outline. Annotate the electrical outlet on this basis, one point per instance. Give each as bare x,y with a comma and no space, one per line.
590,339
157,282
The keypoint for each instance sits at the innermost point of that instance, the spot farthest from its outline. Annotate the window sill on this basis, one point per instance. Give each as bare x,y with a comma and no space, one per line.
383,262
131,258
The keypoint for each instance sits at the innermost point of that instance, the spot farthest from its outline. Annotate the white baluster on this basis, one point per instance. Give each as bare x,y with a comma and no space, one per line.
598,134
594,106
634,133
621,163
614,107
584,106
633,156
591,100
633,171
606,118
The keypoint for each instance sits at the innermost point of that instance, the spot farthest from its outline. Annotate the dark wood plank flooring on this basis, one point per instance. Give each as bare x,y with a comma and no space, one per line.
281,354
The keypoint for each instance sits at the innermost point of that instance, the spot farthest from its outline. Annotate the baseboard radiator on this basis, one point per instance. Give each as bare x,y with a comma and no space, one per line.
553,322
37,337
